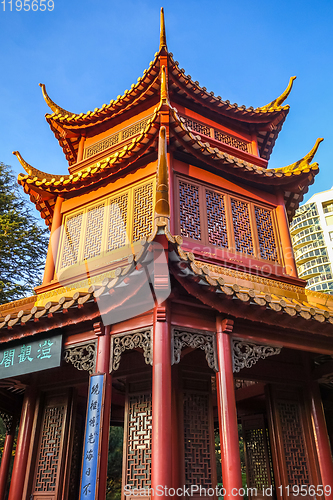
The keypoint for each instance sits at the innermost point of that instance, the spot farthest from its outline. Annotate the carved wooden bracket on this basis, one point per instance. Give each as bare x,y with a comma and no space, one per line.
196,340
82,356
247,354
137,339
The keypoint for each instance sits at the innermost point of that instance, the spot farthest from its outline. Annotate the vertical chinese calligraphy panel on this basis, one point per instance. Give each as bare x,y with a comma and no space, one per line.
92,438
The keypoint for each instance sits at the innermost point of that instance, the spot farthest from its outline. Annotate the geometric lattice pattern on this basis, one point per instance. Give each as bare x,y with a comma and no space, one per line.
138,459
266,236
189,210
293,443
198,469
94,230
256,458
231,141
134,129
201,128
116,138
48,454
198,127
72,240
143,211
117,236
216,219
242,226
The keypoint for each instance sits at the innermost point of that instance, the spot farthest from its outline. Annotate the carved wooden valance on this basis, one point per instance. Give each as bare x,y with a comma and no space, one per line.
136,339
206,341
246,354
82,356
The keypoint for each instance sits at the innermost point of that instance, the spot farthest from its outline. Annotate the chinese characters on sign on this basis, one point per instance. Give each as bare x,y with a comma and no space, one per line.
30,355
92,438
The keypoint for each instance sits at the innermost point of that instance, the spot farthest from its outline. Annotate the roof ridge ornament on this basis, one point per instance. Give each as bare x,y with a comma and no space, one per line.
162,31
279,100
164,86
52,105
162,206
304,163
34,172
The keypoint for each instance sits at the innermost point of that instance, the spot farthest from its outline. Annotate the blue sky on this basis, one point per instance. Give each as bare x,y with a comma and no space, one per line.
88,52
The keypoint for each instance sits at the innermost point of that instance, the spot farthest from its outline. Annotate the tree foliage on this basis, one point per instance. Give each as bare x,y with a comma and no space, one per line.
115,459
23,242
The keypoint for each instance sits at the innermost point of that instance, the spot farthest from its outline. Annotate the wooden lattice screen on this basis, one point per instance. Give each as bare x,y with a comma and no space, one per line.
259,470
51,450
137,442
198,457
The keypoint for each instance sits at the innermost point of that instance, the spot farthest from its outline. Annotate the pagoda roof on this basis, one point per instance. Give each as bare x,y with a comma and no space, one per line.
295,312
267,120
43,188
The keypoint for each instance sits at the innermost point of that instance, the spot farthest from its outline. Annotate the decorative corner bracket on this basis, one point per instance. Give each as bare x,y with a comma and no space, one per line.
138,339
82,356
246,354
195,340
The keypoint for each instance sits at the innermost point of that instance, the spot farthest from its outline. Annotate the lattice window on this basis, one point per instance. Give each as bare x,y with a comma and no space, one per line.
197,449
190,226
216,219
93,243
255,450
266,235
112,223
117,236
259,469
116,138
143,211
71,240
242,226
49,449
102,145
293,443
138,453
134,129
200,128
231,141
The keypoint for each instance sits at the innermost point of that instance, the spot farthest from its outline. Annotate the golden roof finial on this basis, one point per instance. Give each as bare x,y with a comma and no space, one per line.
34,172
164,86
28,168
162,31
52,105
279,100
162,206
304,163
309,157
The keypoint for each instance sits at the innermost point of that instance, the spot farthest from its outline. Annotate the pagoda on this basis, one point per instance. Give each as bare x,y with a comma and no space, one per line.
170,306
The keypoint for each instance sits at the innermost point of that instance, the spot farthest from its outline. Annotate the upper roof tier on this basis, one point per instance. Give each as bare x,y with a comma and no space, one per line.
265,121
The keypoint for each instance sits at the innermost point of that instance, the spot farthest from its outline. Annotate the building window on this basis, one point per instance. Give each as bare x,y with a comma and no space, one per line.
111,223
213,217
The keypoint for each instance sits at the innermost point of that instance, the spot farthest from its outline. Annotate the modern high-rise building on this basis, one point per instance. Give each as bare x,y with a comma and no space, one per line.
312,237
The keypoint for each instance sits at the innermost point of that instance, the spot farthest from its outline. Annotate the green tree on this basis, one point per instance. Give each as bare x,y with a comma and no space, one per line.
115,459
23,242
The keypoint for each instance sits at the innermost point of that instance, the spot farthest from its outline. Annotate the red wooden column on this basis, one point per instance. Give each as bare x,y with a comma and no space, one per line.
6,456
53,244
102,366
161,470
288,252
321,437
230,457
23,444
